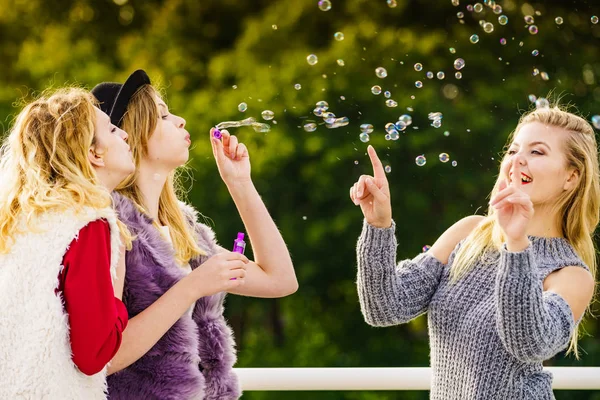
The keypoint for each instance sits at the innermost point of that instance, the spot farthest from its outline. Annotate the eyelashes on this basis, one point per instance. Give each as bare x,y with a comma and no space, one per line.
512,152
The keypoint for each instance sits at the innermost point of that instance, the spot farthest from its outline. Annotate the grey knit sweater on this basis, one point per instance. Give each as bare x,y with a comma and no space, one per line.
490,331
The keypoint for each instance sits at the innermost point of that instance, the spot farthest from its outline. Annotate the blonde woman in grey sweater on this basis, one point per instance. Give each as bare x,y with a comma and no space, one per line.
505,291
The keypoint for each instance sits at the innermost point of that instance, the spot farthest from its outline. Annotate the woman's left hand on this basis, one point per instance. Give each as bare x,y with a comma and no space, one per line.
233,160
514,209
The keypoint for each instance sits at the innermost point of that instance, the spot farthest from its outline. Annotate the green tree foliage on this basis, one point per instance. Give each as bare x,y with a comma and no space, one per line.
211,55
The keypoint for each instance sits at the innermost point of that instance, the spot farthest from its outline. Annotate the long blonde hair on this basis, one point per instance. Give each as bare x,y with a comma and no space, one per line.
44,162
140,122
579,208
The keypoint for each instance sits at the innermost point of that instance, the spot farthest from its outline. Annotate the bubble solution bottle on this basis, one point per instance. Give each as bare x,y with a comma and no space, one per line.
238,244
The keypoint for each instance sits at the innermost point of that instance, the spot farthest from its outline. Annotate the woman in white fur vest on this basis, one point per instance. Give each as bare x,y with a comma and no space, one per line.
61,274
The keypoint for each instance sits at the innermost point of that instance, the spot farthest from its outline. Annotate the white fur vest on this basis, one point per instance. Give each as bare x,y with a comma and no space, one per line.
35,351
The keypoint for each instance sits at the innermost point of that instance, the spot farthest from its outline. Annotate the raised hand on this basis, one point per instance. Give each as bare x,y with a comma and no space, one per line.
372,194
233,160
514,209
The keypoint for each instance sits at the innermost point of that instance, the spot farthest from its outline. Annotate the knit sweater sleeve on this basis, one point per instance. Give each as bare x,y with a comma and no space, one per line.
533,324
391,294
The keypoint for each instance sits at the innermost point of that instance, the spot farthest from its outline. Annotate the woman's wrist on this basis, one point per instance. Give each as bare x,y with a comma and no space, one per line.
517,245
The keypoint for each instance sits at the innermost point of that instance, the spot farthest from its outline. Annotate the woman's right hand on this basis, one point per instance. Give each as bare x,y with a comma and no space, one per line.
372,194
220,273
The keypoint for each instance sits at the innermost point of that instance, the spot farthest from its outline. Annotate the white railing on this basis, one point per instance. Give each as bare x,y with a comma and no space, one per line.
297,379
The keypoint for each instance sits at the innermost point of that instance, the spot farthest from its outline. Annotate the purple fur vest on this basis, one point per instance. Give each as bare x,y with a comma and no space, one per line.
194,359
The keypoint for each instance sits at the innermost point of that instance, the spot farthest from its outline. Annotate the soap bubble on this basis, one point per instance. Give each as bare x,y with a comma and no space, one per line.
529,19
488,27
418,84
418,67
544,75
318,111
387,94
436,123
381,72
426,248
503,20
533,29
497,9
400,125
532,98
312,59
407,119
459,64
441,75
323,104
391,103
420,160
473,39
376,90
268,115
458,75
339,36
455,2
444,157
469,7
558,20
342,121
460,15
310,127
535,53
297,86
364,137
329,117
242,107
394,135
324,5
341,62
594,19
478,7
596,121
454,163
503,41
366,128
429,75
452,50
389,126
392,3
542,103
388,169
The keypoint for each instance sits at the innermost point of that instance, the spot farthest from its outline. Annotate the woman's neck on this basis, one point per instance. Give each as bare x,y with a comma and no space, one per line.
545,223
150,182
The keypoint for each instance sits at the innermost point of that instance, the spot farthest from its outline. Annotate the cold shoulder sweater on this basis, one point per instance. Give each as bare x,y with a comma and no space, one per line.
489,331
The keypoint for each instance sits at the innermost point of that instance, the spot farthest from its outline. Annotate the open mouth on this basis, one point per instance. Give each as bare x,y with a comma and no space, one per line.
525,179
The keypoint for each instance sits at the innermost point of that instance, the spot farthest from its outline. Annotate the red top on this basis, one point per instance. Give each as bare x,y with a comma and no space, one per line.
96,317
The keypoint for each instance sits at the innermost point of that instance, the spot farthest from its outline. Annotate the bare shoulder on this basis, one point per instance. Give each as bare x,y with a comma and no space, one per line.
446,243
576,279
575,285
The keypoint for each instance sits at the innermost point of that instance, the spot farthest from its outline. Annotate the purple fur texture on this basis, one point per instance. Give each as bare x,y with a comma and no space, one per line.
194,359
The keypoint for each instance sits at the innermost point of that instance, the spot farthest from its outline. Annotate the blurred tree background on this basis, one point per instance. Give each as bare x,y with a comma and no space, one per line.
209,56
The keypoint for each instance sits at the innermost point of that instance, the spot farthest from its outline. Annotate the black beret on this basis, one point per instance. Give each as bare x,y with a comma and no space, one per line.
114,97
